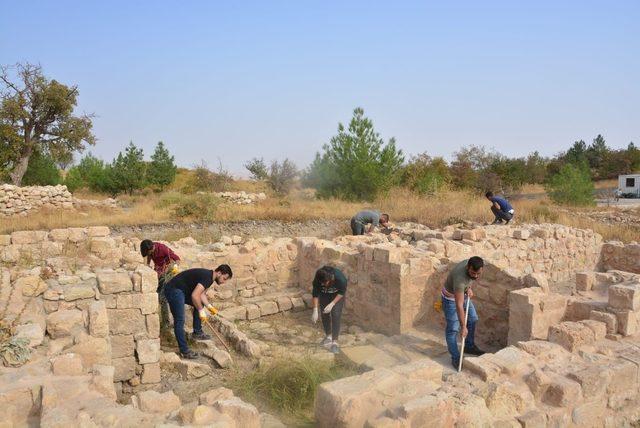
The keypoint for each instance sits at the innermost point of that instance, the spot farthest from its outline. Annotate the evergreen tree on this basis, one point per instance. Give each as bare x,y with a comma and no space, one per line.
162,169
128,170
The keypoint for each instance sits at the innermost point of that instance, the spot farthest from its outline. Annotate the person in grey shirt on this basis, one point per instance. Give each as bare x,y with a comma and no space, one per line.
368,217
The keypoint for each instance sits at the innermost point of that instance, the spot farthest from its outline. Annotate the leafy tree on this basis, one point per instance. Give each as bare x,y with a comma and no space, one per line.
36,116
571,186
633,155
128,170
356,164
162,168
280,176
41,171
535,168
426,175
90,173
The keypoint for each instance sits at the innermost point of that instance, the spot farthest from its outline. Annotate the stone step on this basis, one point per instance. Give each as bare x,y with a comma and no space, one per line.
368,357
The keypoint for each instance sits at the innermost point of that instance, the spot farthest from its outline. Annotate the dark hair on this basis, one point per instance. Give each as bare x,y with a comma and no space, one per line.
145,247
324,274
489,194
475,263
225,270
384,217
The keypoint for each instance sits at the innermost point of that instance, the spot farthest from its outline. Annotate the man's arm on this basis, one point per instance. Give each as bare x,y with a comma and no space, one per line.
198,296
459,297
173,256
497,206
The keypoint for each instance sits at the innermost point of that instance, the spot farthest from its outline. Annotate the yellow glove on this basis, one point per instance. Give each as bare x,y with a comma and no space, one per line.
174,270
437,305
203,314
212,310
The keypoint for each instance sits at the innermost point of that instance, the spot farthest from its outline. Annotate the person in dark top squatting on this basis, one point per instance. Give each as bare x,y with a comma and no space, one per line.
329,288
189,288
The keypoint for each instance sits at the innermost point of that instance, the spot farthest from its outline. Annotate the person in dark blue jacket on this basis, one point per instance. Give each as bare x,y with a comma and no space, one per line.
501,208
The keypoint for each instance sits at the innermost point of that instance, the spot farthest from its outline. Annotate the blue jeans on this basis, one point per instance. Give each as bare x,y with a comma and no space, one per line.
453,327
176,299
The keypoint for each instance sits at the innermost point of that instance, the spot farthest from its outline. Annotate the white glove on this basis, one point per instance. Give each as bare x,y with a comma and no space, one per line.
314,315
328,308
202,313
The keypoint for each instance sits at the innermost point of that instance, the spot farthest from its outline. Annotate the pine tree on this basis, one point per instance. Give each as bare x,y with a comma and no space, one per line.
162,169
128,170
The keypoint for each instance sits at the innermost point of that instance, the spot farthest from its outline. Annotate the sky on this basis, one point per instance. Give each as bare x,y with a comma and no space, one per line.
228,81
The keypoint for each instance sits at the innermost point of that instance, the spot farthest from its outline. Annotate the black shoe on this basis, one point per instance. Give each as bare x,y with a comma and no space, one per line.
499,221
189,355
506,222
473,350
201,335
455,365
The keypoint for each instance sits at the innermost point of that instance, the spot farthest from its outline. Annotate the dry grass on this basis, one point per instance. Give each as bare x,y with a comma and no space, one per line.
401,204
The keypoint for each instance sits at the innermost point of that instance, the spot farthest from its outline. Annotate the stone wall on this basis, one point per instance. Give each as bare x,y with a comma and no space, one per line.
241,198
16,200
616,255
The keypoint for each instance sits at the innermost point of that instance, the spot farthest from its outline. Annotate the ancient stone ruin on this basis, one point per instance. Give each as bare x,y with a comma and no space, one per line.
242,197
16,200
559,309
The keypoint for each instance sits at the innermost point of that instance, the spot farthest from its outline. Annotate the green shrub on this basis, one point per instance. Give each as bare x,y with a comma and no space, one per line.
90,173
204,180
199,207
426,175
280,177
289,385
572,185
356,164
41,171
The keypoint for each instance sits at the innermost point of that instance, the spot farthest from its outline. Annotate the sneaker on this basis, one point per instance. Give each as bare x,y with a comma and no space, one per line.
334,348
326,341
201,335
498,221
454,364
506,222
473,350
189,355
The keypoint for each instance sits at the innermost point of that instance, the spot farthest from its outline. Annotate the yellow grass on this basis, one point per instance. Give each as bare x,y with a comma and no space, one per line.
401,204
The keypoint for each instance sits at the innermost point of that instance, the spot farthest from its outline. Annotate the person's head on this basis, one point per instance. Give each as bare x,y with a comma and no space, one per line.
384,220
325,276
489,194
146,248
474,267
222,274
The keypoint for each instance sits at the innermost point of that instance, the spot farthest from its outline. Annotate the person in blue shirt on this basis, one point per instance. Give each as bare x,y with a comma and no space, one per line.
501,208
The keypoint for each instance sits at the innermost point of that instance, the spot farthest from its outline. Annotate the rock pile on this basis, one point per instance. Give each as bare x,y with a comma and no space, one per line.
241,198
16,200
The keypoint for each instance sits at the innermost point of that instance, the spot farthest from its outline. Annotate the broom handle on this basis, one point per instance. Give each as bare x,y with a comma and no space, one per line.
466,316
217,335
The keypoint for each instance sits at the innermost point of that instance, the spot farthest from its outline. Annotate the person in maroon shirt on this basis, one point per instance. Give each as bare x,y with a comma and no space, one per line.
163,257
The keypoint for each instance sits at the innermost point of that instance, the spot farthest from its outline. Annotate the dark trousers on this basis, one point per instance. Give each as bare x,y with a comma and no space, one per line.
164,305
331,321
357,228
176,299
501,215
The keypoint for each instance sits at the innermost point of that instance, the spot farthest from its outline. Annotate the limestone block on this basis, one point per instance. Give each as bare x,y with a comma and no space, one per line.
31,286
284,303
610,320
593,380
562,392
126,321
64,323
98,231
533,418
253,312
234,313
93,350
122,346
222,358
537,280
589,414
482,367
521,234
28,237
126,301
5,240
59,235
538,383
192,370
422,370
627,321
297,304
146,279
77,234
125,368
436,409
236,239
268,308
474,234
153,326
78,291
599,328
505,399
624,296
585,280
623,377
67,365
148,351
147,302
34,333
102,380
210,397
571,335
110,282
244,414
155,402
151,373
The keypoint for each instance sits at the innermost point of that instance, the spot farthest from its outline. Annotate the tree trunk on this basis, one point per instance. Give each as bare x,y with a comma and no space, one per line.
21,167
